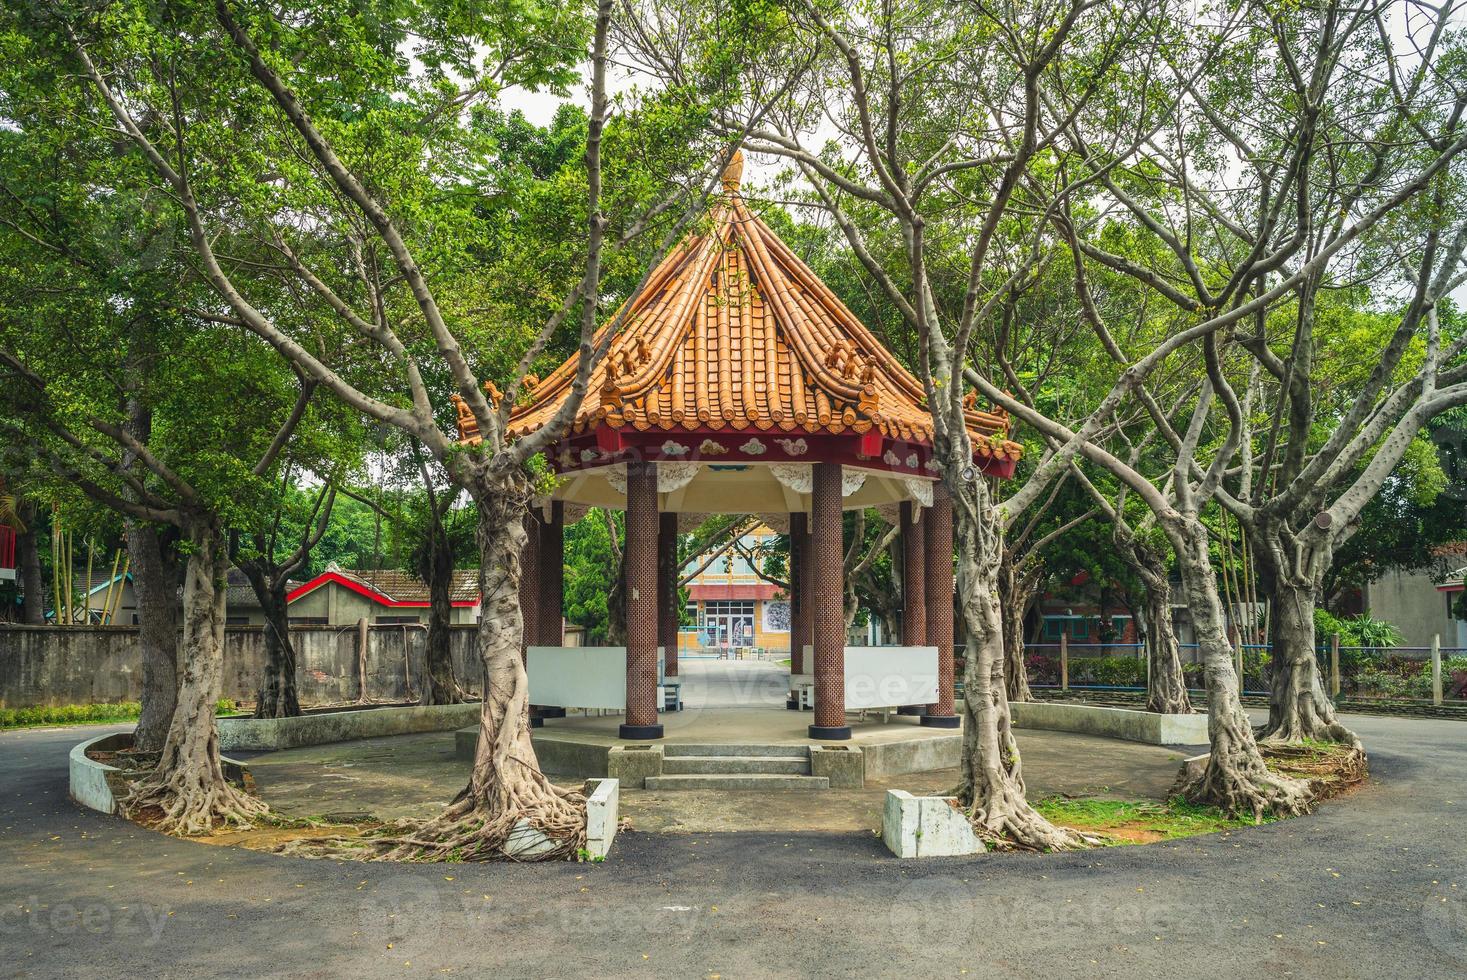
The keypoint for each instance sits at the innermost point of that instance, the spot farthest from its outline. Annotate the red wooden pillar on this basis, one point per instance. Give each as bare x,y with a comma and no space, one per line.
914,591
938,539
640,558
914,578
827,606
552,578
799,598
667,574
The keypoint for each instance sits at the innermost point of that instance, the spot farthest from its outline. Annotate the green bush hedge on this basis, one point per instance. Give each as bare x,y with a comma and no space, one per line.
85,714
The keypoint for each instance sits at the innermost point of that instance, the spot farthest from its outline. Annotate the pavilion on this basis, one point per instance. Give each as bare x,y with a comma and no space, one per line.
739,383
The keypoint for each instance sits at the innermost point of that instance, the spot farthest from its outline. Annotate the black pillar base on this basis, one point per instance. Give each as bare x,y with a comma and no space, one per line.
830,733
550,711
536,721
912,709
640,733
792,704
941,721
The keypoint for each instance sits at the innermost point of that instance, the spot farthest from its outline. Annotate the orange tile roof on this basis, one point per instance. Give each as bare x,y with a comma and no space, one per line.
734,333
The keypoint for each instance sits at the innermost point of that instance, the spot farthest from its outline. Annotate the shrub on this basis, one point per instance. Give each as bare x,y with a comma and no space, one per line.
69,714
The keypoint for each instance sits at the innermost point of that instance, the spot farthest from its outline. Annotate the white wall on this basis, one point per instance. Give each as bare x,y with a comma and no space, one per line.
578,677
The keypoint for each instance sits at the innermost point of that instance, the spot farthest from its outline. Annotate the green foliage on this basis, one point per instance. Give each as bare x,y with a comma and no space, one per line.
86,714
591,570
69,714
1361,630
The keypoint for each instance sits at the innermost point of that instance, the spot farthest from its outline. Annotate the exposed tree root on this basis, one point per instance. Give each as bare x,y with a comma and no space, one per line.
1329,769
465,831
509,810
1299,727
1237,781
188,802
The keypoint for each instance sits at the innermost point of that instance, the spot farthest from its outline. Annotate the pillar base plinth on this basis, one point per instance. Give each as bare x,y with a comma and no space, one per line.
831,733
912,709
941,721
640,733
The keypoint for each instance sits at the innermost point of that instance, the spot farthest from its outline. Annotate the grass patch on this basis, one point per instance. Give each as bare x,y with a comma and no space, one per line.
84,714
785,663
1138,822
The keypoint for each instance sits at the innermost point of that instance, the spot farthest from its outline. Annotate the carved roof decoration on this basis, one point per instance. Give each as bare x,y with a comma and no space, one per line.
734,333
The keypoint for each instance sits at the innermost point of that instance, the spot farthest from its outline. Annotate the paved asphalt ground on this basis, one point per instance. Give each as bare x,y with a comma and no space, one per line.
1370,886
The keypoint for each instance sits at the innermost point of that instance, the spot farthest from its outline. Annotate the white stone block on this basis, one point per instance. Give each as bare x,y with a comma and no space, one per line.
527,842
900,821
603,801
945,830
927,826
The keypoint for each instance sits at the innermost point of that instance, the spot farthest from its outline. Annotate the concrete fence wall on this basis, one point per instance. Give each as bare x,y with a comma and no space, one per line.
51,665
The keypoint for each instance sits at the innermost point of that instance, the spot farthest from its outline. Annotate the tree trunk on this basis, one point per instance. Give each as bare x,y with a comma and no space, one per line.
1299,709
32,582
1166,691
441,687
992,787
187,793
1016,599
508,798
277,697
155,586
616,608
1235,777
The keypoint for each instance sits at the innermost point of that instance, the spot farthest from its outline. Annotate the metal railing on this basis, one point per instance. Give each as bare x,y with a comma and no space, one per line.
1434,674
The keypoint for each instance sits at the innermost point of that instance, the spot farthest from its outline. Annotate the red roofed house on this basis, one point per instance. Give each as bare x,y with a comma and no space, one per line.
338,597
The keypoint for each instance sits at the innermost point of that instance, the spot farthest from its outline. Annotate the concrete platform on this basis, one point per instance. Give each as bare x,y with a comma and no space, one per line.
580,745
417,775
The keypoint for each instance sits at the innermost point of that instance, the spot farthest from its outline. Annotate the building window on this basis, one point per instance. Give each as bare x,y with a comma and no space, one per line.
726,623
236,620
309,621
395,620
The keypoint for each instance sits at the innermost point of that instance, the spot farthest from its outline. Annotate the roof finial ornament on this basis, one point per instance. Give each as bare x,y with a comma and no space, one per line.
734,172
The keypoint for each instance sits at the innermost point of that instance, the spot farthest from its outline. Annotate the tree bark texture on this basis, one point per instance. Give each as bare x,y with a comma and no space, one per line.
992,786
187,793
277,696
1236,779
155,586
1166,690
508,799
32,582
1018,590
1299,707
440,686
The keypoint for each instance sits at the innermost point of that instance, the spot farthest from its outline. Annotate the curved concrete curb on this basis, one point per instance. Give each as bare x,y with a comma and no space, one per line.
1122,723
91,781
96,785
273,734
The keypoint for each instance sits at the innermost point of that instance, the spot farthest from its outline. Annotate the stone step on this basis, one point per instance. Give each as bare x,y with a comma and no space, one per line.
746,764
726,781
673,750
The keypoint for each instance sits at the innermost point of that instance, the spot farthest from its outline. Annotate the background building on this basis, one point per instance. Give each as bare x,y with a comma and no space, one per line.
733,607
338,597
